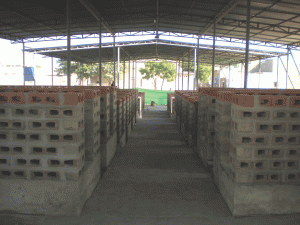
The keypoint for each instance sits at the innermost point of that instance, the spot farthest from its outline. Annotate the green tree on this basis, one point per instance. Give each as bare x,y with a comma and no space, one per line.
153,70
205,71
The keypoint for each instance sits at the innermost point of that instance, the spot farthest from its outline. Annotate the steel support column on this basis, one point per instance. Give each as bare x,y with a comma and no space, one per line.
294,61
114,57
188,80
178,74
259,72
118,67
182,73
100,59
229,68
129,73
124,72
287,68
198,64
52,69
214,55
247,42
68,43
277,70
23,62
135,75
175,74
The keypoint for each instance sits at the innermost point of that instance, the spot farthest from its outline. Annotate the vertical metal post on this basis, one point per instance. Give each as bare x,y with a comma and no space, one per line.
118,67
68,43
188,81
182,72
214,55
247,42
175,74
114,56
100,59
124,72
132,74
277,70
23,61
287,68
229,76
135,75
52,69
197,71
129,73
259,72
178,74
241,74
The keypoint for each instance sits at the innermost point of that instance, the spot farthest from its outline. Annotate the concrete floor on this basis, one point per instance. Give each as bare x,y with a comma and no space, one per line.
155,179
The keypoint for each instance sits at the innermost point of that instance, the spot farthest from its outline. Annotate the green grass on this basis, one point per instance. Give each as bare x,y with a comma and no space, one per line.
159,97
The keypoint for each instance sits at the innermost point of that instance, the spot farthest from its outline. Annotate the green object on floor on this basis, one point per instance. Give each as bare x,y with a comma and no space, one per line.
159,97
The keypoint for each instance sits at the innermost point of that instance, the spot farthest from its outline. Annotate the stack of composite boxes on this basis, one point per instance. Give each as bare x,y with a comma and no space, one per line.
141,103
43,151
256,157
121,120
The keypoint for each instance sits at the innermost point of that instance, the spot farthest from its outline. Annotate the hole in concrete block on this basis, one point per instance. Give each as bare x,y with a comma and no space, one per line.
276,164
36,124
259,165
18,149
35,162
213,117
52,175
38,174
279,139
50,124
21,136
50,99
244,165
4,149
247,114
68,112
69,162
20,112
274,177
37,150
36,99
213,101
263,127
281,114
33,111
54,137
54,112
101,99
294,115
277,127
21,161
292,140
3,161
292,152
261,152
2,111
296,127
2,136
296,102
102,116
279,102
261,114
68,137
3,124
291,164
6,173
260,177
264,101
54,162
19,173
246,140
260,140
51,150
34,137
17,125
291,176
275,152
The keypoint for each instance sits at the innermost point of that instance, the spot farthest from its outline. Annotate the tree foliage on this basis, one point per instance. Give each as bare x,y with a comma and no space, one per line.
154,70
205,71
85,71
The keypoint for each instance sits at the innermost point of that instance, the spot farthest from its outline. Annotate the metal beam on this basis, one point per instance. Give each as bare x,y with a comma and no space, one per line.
97,15
157,17
188,81
100,57
24,62
197,71
219,16
182,72
129,73
114,57
68,43
118,67
124,72
214,56
247,43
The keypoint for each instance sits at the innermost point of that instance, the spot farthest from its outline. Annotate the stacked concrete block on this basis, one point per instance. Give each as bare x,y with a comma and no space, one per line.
121,136
171,103
42,152
113,110
141,103
192,119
